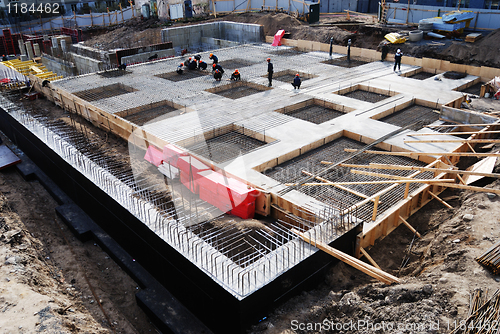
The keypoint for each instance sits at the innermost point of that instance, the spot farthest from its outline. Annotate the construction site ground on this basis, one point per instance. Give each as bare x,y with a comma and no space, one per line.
52,283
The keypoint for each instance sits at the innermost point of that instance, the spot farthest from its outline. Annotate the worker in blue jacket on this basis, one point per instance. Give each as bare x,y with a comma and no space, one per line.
296,82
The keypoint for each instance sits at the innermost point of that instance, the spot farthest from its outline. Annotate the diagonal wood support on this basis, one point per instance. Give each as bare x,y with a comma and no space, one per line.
350,260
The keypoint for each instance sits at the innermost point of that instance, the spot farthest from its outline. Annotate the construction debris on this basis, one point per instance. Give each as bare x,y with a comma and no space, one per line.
471,38
483,314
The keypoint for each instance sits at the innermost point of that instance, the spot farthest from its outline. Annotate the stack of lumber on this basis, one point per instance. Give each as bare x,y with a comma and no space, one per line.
471,38
491,258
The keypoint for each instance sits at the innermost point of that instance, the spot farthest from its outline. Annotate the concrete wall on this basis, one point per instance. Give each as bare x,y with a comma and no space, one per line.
485,18
86,64
59,66
192,35
218,43
141,57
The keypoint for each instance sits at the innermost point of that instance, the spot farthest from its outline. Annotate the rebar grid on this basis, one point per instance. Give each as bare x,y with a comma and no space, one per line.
315,114
367,96
142,117
238,91
268,253
226,147
104,92
292,172
415,113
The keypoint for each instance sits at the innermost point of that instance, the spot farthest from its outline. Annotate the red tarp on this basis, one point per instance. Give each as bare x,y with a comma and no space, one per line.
277,38
154,155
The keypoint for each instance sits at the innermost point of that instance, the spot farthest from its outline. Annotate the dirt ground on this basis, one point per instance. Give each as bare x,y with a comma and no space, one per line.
52,283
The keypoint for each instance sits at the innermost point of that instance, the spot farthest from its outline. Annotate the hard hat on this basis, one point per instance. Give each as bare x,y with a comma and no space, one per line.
211,54
399,50
189,58
213,65
236,71
297,75
268,59
182,64
217,71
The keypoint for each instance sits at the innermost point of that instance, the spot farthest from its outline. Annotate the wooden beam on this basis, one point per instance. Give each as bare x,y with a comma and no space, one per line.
369,258
354,192
440,200
473,188
423,169
375,208
416,154
457,125
454,141
410,227
350,260
451,133
409,180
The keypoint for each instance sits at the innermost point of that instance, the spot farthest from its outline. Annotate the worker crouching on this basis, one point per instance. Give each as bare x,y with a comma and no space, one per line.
296,82
235,75
217,75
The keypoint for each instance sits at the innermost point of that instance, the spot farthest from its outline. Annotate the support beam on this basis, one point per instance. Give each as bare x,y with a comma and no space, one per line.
408,180
440,200
369,258
451,133
352,261
410,227
468,141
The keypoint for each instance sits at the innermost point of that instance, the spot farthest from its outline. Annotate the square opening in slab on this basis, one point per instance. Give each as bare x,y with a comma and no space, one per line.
236,63
366,93
286,52
422,75
315,111
289,75
226,143
104,92
154,111
474,89
415,114
303,168
343,62
188,74
114,73
239,89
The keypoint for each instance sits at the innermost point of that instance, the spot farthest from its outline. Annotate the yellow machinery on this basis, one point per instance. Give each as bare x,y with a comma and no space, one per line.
26,68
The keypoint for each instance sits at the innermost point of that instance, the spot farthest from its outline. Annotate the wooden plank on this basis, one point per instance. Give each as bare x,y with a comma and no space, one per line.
459,125
454,141
451,133
358,264
416,154
424,169
354,192
466,187
480,169
410,180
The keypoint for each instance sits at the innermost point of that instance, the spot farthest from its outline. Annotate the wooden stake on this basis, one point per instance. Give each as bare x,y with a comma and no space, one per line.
410,227
350,260
416,154
470,147
460,179
369,258
423,169
440,200
375,207
455,141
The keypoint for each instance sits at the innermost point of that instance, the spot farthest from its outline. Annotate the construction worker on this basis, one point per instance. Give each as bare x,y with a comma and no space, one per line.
270,71
192,65
197,57
296,82
179,69
397,60
202,65
217,75
4,58
385,50
214,58
217,67
235,75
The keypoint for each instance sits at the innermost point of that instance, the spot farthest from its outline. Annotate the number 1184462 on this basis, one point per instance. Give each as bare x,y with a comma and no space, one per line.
25,8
